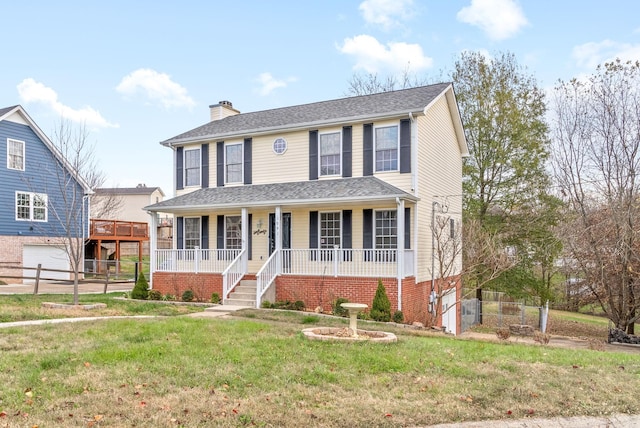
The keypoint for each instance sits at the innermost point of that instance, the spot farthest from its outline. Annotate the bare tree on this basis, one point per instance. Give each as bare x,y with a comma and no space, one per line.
597,166
371,83
75,175
105,203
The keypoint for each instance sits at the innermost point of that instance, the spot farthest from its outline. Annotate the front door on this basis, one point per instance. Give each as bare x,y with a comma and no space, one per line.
286,238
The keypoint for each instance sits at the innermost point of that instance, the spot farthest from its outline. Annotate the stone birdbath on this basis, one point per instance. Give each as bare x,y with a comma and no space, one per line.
354,309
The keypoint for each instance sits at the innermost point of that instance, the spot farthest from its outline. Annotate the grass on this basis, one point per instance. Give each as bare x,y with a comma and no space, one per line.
24,307
257,369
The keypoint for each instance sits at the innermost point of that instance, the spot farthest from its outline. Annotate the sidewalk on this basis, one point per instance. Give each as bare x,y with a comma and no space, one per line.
613,421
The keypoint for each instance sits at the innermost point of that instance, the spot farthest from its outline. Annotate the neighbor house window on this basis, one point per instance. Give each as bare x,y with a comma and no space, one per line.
233,231
191,233
233,163
386,229
386,147
192,167
330,154
31,206
329,229
15,154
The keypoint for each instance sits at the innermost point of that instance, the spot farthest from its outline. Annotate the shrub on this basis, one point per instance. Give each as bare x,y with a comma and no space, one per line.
381,307
337,309
141,289
266,304
298,305
169,297
398,317
215,298
187,296
154,295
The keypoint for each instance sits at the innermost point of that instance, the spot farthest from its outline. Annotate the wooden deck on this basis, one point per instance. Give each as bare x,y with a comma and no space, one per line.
115,230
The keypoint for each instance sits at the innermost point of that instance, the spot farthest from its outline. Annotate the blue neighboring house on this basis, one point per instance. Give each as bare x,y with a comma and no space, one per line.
41,198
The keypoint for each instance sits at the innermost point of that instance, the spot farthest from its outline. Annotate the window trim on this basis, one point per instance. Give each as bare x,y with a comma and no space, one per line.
32,208
23,145
375,229
320,236
186,168
375,148
226,231
241,163
184,233
339,154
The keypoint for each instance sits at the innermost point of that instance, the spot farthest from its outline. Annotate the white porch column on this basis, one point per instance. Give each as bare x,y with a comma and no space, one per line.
244,221
400,247
278,233
153,245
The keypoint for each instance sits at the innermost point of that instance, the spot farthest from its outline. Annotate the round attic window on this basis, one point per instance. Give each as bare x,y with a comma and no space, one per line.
279,146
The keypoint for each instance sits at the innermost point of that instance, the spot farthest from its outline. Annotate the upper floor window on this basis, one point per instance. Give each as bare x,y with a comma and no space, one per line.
386,148
233,163
233,231
192,167
191,233
15,154
329,147
31,206
386,229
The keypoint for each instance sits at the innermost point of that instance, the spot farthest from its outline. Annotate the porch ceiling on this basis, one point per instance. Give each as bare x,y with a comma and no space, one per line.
356,189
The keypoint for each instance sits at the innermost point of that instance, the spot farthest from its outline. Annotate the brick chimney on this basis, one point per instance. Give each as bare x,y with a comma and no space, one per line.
221,110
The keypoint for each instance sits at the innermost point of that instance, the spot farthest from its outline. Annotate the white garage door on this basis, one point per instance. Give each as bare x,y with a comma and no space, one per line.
49,256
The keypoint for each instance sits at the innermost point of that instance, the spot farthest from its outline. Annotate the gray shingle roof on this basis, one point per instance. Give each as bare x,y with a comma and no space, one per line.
324,112
356,189
143,190
5,110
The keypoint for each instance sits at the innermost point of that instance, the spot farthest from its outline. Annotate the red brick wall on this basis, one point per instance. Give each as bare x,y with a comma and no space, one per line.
202,284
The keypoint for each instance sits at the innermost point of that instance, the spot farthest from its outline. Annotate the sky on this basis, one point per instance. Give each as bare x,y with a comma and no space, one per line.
136,73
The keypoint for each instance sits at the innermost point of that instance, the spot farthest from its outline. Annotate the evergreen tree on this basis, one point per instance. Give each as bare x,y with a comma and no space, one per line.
141,289
381,307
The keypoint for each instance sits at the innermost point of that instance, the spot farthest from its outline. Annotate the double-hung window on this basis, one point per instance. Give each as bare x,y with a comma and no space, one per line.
31,206
329,147
15,154
233,232
330,233
191,233
386,148
192,167
233,163
386,238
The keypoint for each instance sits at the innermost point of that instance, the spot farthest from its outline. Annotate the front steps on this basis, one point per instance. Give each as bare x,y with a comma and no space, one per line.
244,295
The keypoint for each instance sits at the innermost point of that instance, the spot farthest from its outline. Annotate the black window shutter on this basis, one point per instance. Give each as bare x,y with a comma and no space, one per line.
346,151
367,143
313,155
220,232
313,234
347,235
367,229
180,233
249,232
180,168
204,240
347,240
405,145
220,164
247,160
407,228
204,153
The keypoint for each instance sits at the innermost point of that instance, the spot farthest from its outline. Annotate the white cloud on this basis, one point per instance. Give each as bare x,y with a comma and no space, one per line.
31,91
590,55
268,83
156,87
500,19
386,13
372,56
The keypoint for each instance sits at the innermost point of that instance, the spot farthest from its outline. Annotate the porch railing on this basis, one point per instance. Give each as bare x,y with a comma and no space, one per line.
234,273
194,260
345,262
265,276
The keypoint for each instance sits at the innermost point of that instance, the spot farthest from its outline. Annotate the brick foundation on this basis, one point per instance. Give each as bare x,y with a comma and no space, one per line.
202,284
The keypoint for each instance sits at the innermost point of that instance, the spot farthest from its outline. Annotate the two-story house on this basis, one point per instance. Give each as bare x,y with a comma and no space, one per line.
318,201
42,199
